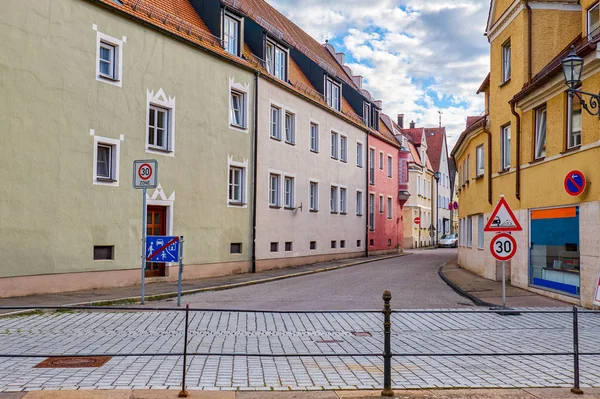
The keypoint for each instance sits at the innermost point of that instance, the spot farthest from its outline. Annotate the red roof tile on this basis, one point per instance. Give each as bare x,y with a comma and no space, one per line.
435,140
415,135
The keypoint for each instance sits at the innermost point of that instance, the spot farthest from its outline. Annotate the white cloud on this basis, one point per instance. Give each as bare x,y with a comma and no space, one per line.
412,54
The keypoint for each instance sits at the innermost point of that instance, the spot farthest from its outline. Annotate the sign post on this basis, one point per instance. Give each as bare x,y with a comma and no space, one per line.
180,271
503,246
145,176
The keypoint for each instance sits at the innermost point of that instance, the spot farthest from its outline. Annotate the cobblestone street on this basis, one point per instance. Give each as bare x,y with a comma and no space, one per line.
145,333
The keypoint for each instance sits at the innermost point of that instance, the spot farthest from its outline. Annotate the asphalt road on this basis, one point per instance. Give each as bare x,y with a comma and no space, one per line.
412,279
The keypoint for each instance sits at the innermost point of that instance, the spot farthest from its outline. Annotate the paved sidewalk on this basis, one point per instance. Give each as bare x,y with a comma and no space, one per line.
484,292
164,290
545,393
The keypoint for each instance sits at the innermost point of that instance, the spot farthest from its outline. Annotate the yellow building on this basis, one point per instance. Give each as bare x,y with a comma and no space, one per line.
531,136
422,189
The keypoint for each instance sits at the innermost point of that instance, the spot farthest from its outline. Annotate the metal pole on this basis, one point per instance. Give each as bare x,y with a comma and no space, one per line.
184,393
180,271
504,285
576,388
387,350
144,226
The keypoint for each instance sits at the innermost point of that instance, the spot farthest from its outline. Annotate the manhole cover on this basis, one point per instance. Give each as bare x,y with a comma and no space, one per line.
74,362
361,333
329,341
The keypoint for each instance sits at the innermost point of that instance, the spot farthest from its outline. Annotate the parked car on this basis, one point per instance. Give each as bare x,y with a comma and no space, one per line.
448,241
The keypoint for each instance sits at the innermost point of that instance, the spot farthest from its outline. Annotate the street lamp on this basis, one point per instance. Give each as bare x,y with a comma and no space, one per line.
437,176
572,68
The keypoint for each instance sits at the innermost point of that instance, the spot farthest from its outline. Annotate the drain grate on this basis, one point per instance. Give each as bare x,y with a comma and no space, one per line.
73,362
361,333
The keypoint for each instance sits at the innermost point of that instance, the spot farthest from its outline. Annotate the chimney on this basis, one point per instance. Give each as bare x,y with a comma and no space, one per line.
340,58
357,81
401,121
412,124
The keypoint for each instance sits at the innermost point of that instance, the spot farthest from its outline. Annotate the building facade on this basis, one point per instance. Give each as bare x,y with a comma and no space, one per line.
534,136
119,91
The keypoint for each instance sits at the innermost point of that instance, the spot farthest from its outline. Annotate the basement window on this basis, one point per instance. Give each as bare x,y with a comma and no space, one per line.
104,252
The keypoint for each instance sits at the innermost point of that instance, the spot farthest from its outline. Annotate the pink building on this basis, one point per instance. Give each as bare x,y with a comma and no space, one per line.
384,205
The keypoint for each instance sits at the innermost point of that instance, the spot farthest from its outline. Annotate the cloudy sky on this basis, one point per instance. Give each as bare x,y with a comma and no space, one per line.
417,56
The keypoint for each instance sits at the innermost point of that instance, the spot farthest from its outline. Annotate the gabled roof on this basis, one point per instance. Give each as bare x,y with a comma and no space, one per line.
415,135
435,142
472,119
416,158
484,85
276,23
476,123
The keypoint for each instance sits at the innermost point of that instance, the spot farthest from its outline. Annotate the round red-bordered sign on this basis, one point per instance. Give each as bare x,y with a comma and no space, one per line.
503,247
140,171
575,183
417,220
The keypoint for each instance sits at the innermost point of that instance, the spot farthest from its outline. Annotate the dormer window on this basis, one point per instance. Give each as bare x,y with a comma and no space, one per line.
231,34
375,121
333,92
367,113
276,60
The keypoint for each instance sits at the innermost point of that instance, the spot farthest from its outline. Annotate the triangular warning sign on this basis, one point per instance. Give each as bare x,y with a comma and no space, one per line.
503,218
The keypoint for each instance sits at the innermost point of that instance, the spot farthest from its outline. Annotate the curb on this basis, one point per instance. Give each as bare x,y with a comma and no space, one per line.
168,295
460,291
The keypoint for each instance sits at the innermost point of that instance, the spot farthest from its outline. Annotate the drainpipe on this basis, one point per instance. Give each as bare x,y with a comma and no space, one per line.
368,198
489,168
254,166
518,132
529,39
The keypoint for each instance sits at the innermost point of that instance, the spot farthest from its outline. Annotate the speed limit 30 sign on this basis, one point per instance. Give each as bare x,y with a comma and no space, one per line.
145,173
503,247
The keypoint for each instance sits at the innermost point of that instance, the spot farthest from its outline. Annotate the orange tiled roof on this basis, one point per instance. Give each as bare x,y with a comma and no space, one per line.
415,134
435,140
275,22
414,154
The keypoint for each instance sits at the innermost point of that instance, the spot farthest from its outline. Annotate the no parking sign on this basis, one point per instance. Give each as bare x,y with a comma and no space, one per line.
575,183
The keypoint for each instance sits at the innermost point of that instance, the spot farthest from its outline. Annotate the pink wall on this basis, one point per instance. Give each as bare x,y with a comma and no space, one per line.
388,232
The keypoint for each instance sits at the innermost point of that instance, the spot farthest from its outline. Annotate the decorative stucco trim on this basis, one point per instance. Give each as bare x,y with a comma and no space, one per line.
118,61
244,89
162,100
244,166
115,160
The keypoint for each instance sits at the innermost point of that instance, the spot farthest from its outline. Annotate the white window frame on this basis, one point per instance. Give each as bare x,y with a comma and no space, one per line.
243,166
271,61
117,79
390,209
541,129
334,145
367,113
480,236
115,161
419,186
359,154
236,185
390,166
359,202
381,204
332,101
343,148
469,231
505,138
291,203
274,202
371,206
314,138
343,194
479,161
239,34
371,161
290,131
381,161
506,62
275,123
572,134
243,90
333,198
596,8
161,100
313,201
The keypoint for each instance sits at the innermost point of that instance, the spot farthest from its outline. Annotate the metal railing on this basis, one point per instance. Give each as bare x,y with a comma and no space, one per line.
387,353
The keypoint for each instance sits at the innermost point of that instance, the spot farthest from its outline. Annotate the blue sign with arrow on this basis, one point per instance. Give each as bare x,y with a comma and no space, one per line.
575,183
162,249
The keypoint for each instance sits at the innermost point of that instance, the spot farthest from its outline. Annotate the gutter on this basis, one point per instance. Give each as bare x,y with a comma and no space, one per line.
255,169
489,168
529,39
518,131
367,198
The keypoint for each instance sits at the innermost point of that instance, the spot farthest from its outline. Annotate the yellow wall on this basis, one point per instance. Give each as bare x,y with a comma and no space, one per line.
472,196
500,7
547,40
